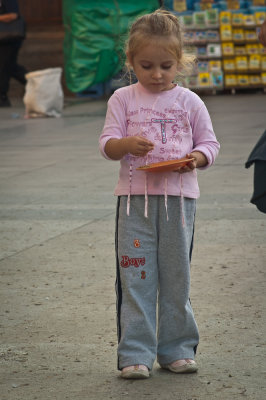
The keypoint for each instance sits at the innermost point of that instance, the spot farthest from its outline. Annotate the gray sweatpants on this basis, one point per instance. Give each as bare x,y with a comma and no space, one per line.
153,263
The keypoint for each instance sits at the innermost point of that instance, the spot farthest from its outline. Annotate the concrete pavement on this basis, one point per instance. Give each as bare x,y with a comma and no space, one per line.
57,299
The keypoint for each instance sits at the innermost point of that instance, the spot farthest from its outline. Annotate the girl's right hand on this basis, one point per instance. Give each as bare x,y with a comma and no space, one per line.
139,146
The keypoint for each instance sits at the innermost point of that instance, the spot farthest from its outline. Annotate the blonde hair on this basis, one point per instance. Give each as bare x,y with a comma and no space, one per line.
158,25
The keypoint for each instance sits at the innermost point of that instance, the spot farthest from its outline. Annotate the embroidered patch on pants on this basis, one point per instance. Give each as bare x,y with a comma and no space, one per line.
143,275
134,261
137,243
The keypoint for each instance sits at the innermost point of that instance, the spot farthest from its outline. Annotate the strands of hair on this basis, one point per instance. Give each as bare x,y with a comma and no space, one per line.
161,28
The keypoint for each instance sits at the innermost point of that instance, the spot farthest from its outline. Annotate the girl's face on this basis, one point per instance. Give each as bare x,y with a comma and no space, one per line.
154,66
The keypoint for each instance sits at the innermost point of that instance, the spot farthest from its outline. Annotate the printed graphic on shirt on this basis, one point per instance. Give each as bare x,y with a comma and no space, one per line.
163,122
166,128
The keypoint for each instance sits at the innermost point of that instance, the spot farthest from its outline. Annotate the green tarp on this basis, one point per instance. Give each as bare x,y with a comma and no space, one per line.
95,33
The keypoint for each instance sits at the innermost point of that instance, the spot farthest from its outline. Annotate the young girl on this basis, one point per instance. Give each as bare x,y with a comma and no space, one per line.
151,121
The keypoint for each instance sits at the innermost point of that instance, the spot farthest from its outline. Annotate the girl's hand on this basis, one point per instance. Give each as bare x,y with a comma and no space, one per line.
199,160
139,146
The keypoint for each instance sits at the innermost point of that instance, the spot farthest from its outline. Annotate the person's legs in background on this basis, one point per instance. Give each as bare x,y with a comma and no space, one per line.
18,72
9,68
5,70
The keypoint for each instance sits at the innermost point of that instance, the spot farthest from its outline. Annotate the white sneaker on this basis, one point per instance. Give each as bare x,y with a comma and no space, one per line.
135,372
182,366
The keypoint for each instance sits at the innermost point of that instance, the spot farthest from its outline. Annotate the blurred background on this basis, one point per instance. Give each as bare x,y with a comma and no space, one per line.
86,39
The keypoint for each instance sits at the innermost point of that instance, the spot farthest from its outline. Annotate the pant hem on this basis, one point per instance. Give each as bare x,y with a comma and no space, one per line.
170,360
128,363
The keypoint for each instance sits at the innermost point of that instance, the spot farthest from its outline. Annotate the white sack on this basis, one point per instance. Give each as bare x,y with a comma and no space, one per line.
44,94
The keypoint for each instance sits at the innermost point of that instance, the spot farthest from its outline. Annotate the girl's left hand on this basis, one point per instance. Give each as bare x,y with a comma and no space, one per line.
199,160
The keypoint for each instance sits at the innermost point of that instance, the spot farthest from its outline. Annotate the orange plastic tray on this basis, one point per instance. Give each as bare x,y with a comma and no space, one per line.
164,166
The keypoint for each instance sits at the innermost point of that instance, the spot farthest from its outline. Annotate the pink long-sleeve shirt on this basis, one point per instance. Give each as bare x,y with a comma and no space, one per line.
176,121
